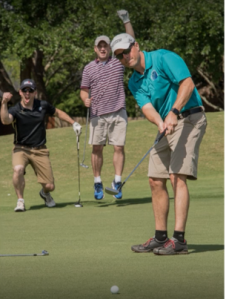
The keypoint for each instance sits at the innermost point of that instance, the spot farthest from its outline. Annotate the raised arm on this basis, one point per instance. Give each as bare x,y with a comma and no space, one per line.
6,117
124,16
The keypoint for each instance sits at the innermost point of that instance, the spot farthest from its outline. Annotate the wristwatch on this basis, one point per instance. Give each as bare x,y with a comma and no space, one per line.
175,111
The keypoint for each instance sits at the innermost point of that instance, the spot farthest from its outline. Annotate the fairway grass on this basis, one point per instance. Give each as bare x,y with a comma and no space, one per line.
89,247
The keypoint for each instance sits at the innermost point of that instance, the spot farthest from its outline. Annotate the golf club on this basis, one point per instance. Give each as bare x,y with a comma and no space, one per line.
112,191
78,204
44,252
87,119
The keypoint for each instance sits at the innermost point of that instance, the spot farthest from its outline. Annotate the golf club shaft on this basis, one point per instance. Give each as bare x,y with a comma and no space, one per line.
28,254
87,120
78,169
156,141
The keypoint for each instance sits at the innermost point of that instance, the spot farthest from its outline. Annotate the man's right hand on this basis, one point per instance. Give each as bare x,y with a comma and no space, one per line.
123,15
6,97
87,102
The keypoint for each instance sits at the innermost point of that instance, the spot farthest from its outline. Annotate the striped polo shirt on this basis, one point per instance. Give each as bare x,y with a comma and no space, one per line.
105,81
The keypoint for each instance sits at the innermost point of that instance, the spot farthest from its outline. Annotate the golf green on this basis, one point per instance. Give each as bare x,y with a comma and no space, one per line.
89,247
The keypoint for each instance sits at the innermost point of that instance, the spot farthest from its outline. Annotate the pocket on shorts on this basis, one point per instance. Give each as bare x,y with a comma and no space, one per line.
198,120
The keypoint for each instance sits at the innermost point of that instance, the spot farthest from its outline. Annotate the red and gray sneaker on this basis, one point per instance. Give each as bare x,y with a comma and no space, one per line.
148,246
173,246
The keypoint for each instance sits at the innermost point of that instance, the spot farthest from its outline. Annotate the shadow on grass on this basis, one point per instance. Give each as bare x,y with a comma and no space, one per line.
125,202
195,248
100,203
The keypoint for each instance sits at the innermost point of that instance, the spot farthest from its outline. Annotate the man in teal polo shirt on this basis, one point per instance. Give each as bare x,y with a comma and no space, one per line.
163,88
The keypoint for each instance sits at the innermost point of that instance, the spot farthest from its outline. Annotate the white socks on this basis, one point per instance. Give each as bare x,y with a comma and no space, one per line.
97,179
118,178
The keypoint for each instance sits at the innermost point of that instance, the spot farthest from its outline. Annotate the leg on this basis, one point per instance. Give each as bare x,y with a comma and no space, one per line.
49,187
97,159
97,162
118,159
18,180
181,199
160,202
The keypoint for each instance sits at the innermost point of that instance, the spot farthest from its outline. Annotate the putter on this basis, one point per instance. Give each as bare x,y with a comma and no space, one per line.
112,191
44,252
87,119
78,204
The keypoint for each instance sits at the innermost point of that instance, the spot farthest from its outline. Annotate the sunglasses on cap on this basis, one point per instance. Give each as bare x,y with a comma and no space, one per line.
126,51
27,90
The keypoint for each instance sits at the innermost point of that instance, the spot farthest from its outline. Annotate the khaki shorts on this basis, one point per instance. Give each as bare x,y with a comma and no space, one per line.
39,160
178,153
112,126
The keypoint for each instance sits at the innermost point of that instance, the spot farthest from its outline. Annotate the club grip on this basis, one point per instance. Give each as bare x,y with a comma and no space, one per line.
160,136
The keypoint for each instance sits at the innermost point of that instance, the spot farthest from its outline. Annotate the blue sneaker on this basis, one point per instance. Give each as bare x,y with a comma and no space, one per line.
116,186
98,191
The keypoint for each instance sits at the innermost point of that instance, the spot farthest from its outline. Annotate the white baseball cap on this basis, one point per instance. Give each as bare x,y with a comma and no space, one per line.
102,38
121,41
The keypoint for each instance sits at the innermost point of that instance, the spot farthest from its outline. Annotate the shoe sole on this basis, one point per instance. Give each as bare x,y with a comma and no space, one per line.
45,200
175,253
20,210
144,251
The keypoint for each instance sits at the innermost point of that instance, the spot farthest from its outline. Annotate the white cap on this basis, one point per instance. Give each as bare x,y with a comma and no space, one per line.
121,41
103,38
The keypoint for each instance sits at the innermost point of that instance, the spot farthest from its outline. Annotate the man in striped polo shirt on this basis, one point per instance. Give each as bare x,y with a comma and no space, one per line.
102,90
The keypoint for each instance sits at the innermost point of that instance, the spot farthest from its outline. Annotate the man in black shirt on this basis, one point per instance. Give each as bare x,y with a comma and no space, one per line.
28,120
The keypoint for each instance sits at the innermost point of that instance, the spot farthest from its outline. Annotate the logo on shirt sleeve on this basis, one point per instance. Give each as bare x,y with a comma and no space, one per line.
154,75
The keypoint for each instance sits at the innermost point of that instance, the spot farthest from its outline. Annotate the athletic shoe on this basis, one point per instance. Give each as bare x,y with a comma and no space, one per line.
149,246
117,186
98,191
20,207
173,246
49,202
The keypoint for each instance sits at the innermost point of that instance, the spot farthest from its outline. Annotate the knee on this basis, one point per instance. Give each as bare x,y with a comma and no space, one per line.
119,149
48,187
19,170
178,180
97,149
156,184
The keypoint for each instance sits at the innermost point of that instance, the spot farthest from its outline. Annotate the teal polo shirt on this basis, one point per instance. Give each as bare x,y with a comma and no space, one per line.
160,82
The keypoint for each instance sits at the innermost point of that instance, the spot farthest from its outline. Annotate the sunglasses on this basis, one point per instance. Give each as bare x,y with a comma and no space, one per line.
27,90
126,51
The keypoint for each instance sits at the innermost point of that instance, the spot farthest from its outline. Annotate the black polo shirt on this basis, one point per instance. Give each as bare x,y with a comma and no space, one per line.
29,125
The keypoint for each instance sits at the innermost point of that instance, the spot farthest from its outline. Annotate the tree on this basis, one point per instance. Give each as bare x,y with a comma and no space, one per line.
53,40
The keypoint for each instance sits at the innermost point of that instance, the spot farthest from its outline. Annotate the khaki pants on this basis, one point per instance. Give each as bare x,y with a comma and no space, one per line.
39,160
178,153
112,126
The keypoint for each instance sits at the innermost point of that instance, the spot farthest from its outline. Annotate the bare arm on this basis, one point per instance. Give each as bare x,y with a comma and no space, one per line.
64,116
129,29
184,93
6,117
153,116
84,95
124,16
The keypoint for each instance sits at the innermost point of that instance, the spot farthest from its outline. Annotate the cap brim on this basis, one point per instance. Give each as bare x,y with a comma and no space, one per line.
121,46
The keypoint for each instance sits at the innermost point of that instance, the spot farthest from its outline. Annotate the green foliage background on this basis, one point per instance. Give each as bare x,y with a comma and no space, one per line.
63,34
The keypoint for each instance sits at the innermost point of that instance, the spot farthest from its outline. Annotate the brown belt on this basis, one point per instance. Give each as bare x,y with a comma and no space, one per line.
32,148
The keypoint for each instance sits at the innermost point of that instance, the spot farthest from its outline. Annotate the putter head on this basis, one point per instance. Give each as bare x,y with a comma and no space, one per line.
44,252
78,205
83,165
111,191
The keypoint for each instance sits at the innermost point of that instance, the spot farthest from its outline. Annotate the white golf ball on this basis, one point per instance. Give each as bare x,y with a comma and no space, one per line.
114,289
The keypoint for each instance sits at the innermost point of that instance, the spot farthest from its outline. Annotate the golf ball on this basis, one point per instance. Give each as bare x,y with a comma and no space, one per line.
114,289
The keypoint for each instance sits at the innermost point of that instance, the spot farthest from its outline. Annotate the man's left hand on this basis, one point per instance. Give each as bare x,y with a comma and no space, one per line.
77,128
170,123
123,15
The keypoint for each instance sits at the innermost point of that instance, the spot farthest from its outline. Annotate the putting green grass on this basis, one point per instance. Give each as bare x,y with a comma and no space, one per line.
89,247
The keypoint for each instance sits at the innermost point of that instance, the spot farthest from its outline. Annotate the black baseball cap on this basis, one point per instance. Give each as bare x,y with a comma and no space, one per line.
28,83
